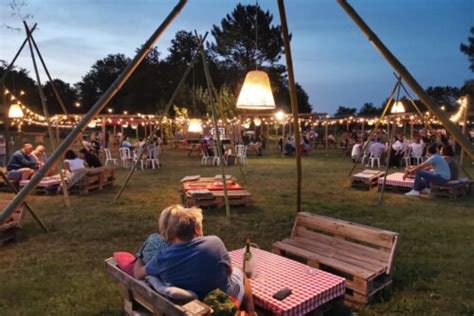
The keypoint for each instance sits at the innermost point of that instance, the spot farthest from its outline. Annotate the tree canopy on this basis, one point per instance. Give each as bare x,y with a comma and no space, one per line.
468,49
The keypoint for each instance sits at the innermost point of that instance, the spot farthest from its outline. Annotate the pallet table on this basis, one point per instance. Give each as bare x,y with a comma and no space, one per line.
9,228
366,179
396,183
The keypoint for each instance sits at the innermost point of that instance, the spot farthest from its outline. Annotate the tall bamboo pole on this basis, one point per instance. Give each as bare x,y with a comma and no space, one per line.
141,151
216,129
52,137
293,99
408,78
98,106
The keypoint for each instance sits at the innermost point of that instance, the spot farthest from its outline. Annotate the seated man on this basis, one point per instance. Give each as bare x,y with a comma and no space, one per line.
39,154
22,165
91,160
454,166
439,176
192,261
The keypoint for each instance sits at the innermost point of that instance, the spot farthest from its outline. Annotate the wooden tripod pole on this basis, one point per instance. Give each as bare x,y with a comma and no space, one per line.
293,99
216,129
387,162
30,210
377,125
409,79
52,138
96,108
141,150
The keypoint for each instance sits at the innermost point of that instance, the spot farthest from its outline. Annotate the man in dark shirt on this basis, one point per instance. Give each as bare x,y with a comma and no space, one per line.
91,160
22,165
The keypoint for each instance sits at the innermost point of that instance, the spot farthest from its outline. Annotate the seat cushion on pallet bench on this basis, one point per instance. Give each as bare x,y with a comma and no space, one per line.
176,294
125,261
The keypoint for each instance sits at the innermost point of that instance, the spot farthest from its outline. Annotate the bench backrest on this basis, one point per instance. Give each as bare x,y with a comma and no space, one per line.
17,215
378,242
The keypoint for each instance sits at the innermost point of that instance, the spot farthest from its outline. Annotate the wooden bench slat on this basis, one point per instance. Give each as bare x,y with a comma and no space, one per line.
346,229
381,256
333,251
300,252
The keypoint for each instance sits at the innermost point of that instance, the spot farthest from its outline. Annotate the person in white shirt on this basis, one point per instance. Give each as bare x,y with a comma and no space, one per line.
356,151
417,147
75,168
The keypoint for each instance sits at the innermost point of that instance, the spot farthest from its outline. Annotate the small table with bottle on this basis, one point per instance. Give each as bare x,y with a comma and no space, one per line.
298,288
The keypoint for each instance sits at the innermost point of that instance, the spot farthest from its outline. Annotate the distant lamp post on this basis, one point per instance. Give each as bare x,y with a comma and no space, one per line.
256,92
397,108
195,126
15,111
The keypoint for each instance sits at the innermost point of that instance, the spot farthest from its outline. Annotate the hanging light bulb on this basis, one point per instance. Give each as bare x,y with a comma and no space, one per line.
280,115
15,111
92,124
134,125
398,107
256,93
257,121
195,126
246,124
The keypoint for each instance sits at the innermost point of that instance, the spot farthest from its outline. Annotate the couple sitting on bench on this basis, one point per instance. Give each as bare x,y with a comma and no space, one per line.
181,256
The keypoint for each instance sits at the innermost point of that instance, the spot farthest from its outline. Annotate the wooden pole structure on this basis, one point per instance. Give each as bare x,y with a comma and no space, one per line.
52,137
391,134
379,122
293,99
467,100
141,151
98,106
210,86
409,79
14,189
326,127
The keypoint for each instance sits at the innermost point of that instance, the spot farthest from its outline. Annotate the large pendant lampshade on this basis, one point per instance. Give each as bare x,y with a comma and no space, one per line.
195,126
256,93
15,111
398,107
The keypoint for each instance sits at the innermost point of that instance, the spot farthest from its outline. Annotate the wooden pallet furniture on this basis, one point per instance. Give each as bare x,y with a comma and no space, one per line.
140,299
366,179
95,179
9,228
453,189
361,254
216,198
47,185
395,182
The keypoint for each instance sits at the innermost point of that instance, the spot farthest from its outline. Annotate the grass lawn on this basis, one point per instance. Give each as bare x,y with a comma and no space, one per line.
62,272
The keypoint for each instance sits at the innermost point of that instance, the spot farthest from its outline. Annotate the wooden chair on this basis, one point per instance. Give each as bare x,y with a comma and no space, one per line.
141,299
361,254
9,228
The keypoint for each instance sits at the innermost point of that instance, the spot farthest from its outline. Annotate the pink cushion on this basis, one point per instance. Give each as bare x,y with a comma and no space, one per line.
125,261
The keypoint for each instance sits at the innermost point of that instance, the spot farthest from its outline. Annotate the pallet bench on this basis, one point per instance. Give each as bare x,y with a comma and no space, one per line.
216,199
9,228
141,299
95,179
453,189
361,254
366,179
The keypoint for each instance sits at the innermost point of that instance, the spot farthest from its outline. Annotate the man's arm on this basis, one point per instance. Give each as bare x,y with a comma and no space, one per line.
421,166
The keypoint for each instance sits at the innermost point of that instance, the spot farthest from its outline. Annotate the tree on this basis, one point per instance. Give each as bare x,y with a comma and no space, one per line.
468,49
235,39
368,109
19,80
67,93
344,111
102,74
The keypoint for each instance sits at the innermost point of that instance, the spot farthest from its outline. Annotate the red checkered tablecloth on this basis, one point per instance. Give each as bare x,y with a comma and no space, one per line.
311,287
396,180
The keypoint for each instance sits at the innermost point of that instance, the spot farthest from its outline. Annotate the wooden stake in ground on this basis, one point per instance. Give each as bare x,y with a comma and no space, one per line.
96,108
293,100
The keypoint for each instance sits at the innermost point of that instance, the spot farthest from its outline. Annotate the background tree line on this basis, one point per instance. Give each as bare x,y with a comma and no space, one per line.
231,53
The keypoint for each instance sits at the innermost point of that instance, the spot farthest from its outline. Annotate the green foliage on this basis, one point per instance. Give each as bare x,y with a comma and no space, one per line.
344,111
468,49
220,303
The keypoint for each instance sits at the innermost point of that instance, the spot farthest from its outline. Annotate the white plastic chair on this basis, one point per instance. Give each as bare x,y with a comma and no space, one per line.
153,158
205,157
125,156
407,156
216,160
108,157
241,154
375,158
135,159
417,154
